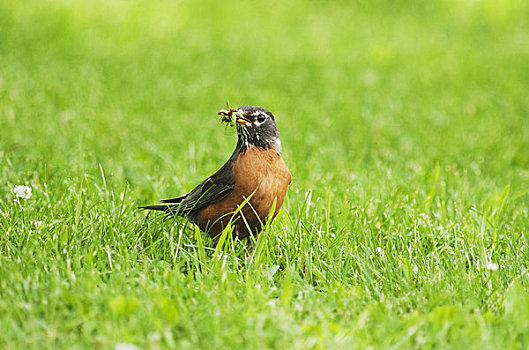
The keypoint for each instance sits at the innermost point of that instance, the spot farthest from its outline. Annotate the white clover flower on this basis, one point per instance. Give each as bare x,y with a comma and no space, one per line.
491,266
23,192
380,252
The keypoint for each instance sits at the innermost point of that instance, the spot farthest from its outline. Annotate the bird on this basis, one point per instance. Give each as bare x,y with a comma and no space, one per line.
244,190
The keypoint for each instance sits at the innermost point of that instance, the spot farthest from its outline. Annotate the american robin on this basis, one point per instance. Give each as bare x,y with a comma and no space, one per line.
255,170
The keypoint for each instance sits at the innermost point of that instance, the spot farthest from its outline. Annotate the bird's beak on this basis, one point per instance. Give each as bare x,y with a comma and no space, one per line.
239,118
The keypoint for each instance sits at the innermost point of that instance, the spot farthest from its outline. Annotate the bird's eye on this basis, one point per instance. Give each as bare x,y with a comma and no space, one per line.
261,118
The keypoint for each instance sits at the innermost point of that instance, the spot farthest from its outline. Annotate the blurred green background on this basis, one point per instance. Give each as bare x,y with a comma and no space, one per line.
356,86
404,122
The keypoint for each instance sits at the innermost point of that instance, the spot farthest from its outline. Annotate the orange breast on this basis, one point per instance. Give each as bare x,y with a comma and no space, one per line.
259,170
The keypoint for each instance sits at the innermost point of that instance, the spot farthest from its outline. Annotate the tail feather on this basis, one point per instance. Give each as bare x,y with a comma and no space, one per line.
171,206
173,200
169,210
165,208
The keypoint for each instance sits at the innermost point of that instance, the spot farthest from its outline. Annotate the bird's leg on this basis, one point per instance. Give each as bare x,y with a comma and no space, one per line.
250,245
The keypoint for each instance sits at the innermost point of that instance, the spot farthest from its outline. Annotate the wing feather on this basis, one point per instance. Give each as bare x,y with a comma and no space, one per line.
210,191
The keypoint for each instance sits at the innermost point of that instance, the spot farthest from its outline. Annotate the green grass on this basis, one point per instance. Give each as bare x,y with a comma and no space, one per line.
404,123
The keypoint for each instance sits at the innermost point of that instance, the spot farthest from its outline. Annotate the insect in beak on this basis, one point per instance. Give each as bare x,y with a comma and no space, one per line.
227,115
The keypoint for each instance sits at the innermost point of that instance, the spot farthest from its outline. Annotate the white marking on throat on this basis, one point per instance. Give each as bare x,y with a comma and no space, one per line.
277,144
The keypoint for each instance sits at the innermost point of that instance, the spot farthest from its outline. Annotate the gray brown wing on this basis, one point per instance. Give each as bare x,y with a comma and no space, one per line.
210,191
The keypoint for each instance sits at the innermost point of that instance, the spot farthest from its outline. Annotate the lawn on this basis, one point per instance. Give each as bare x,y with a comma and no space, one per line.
405,125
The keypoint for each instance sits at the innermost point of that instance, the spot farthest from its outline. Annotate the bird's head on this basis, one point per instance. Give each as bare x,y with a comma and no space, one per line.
257,127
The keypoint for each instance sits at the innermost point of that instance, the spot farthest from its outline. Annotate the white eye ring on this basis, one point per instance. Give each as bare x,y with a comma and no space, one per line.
261,118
